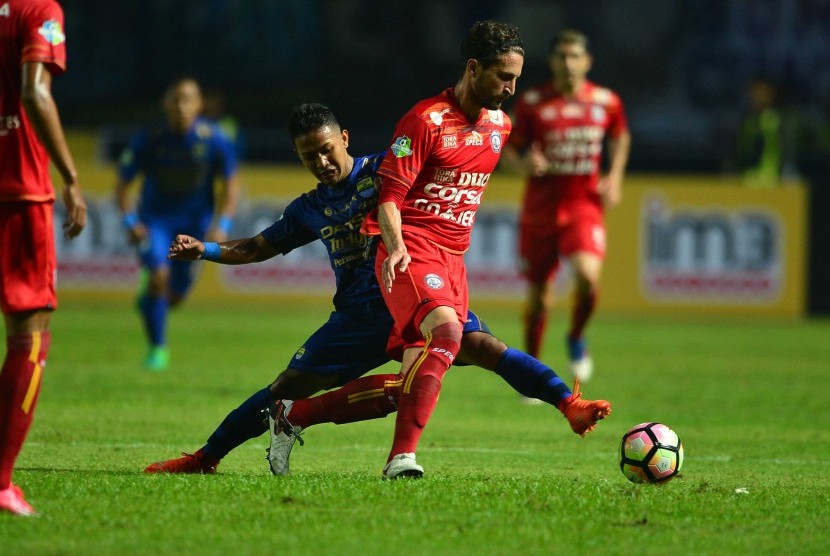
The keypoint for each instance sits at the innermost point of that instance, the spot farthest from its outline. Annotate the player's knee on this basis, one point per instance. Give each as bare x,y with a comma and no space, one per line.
292,384
481,349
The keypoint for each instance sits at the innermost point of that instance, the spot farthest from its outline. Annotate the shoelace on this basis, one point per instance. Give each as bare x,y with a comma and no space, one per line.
284,425
289,429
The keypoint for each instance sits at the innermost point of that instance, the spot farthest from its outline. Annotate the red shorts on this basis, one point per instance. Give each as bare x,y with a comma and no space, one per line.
434,278
541,246
27,257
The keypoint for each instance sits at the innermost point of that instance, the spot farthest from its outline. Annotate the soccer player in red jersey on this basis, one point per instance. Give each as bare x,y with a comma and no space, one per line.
32,50
445,149
557,142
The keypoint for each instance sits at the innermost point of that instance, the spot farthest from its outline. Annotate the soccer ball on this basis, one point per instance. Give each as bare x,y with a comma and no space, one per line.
650,453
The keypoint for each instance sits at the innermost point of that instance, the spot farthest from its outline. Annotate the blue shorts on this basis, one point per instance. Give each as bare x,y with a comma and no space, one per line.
352,343
349,344
160,234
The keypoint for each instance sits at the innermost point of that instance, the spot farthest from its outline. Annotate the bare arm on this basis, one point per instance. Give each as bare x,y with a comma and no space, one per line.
136,231
389,220
228,199
238,251
36,96
610,186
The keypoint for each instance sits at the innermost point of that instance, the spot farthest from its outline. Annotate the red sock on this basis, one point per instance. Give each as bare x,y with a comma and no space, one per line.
19,388
535,323
584,304
422,385
368,397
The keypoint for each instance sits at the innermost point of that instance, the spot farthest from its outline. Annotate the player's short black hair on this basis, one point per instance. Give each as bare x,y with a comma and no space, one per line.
308,117
569,36
178,80
487,40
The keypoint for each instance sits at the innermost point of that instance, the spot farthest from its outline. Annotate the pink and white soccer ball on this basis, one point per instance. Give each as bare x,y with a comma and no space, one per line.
651,453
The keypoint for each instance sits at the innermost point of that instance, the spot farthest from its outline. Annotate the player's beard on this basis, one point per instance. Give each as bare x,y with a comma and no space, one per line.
489,101
495,103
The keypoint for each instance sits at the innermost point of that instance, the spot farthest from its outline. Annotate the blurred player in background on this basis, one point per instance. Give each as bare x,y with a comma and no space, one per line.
445,149
557,142
354,340
32,50
180,161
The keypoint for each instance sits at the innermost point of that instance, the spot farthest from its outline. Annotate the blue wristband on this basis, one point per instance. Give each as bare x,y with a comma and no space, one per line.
130,220
212,252
224,224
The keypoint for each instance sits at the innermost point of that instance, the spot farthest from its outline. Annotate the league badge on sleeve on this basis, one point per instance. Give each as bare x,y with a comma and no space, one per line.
52,32
402,147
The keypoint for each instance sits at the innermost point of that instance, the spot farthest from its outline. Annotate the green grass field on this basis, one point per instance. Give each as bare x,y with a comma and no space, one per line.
749,400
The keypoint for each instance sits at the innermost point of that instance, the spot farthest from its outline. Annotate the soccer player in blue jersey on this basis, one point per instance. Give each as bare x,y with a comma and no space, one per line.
180,161
354,340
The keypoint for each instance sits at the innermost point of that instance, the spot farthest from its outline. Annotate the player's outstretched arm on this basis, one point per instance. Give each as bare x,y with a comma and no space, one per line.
237,251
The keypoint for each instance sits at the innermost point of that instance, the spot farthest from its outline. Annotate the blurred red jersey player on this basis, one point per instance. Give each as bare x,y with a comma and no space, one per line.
557,142
32,50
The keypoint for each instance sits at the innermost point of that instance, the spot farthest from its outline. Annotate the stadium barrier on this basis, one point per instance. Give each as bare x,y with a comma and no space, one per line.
690,244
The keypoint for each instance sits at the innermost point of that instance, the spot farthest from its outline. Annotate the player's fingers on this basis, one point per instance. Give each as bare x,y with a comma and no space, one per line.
404,264
388,273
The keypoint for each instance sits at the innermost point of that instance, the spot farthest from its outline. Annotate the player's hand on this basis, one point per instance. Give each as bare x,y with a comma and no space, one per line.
397,260
610,188
536,163
75,211
185,248
137,234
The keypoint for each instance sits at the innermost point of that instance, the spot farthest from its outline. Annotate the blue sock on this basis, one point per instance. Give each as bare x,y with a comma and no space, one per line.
241,424
532,378
154,314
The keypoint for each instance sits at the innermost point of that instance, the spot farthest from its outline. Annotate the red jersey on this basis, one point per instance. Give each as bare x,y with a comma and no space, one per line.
438,167
30,31
570,132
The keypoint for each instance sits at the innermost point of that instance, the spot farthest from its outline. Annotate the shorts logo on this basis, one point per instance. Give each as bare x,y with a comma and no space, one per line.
433,281
300,353
52,32
402,147
449,141
495,141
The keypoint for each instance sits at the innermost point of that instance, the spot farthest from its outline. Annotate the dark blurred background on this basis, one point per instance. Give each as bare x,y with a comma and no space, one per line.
680,65
682,68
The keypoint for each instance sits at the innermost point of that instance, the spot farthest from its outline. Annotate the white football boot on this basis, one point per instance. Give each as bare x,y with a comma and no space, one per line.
283,436
403,465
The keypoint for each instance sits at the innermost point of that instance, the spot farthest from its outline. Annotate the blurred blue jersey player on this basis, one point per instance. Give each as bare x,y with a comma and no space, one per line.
181,162
354,340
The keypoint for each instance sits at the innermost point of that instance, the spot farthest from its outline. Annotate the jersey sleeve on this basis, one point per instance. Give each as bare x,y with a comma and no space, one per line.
43,38
287,233
409,151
